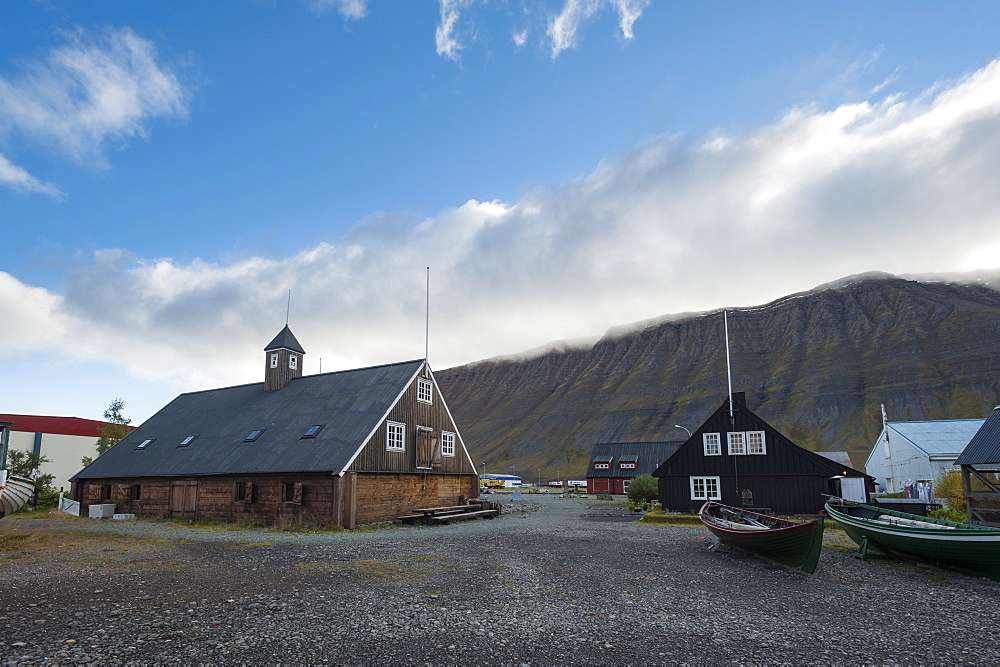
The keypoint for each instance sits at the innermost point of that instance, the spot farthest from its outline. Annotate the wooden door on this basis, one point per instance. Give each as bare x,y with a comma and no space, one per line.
183,498
853,488
428,448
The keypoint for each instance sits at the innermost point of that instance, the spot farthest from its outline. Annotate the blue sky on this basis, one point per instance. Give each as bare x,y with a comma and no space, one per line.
168,171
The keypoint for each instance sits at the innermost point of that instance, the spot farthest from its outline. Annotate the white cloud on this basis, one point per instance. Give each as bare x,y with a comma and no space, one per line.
448,44
564,26
898,185
97,89
350,9
19,180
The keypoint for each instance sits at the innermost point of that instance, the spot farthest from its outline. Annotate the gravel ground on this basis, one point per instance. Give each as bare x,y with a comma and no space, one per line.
565,583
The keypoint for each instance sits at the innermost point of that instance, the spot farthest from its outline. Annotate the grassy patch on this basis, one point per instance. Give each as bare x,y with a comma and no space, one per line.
659,518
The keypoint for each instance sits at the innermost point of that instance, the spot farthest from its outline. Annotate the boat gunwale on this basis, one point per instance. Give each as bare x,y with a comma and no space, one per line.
947,530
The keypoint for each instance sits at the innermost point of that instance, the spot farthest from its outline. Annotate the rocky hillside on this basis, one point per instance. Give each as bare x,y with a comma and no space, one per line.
815,365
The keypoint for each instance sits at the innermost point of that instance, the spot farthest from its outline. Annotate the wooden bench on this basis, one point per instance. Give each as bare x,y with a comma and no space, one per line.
461,516
411,518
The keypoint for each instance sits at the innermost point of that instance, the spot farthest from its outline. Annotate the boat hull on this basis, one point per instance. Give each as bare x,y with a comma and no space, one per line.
15,493
966,548
793,544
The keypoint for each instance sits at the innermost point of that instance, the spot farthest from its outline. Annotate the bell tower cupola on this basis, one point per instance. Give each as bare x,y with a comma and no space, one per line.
282,360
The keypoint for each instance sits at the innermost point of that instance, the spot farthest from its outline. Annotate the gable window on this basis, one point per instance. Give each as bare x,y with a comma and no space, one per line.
755,442
187,441
293,362
313,430
705,488
602,466
145,443
395,436
447,443
425,391
630,465
292,493
253,435
737,443
135,492
274,360
713,444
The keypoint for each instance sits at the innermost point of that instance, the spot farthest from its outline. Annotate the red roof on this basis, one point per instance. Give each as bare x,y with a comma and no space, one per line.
55,425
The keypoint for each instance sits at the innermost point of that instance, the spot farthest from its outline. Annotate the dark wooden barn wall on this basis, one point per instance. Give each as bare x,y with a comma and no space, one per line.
787,494
326,499
381,497
375,458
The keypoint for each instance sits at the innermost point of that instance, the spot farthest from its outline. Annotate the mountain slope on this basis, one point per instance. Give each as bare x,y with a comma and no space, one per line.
816,365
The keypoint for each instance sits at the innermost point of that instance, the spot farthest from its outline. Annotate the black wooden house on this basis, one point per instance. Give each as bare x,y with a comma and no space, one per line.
743,461
980,464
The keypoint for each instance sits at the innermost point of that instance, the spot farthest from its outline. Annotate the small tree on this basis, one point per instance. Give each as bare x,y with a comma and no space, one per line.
114,429
949,488
643,489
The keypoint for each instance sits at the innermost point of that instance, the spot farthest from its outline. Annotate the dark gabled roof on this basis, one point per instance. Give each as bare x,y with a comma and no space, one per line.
285,339
350,405
820,463
984,448
646,455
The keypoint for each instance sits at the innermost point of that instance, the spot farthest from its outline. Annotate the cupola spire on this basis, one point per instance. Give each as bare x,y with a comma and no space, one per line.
282,360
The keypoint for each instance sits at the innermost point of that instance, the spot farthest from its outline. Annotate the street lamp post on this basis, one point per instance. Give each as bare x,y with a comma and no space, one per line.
683,427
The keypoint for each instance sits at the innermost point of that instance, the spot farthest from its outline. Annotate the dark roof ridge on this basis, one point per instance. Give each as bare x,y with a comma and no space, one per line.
304,377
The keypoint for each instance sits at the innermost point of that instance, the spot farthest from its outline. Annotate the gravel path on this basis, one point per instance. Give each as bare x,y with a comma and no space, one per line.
564,584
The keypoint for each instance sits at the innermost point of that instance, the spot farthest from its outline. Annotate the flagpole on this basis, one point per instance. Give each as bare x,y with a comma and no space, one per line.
427,318
729,372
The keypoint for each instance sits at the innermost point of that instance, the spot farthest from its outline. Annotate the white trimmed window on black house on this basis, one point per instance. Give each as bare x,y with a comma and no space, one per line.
713,444
750,442
395,436
425,391
447,443
705,488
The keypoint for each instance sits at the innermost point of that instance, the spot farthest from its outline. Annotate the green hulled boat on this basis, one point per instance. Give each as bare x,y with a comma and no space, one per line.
963,547
791,543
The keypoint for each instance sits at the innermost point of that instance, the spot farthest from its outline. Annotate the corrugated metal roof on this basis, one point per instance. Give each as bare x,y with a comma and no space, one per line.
646,455
349,403
984,448
943,436
840,457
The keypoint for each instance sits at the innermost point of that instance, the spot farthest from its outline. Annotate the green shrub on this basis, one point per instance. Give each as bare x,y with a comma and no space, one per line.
948,487
643,489
948,514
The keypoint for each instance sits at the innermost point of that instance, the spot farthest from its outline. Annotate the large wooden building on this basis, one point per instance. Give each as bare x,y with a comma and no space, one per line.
741,460
344,448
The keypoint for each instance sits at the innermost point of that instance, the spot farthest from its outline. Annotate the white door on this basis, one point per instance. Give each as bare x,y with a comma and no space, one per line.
853,488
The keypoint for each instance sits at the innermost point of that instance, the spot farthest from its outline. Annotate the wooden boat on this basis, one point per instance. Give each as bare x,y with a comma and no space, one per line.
963,547
14,492
791,543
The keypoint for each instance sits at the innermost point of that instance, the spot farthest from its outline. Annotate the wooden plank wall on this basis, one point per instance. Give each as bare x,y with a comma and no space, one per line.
326,499
384,497
375,458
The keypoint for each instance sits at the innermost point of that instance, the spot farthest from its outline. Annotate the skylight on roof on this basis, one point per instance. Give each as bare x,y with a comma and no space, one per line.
187,441
254,434
145,443
313,430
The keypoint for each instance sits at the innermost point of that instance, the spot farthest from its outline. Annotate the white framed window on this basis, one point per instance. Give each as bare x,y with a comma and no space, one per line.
293,361
627,465
713,444
602,466
425,391
274,360
705,488
625,484
737,443
395,436
755,442
447,443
